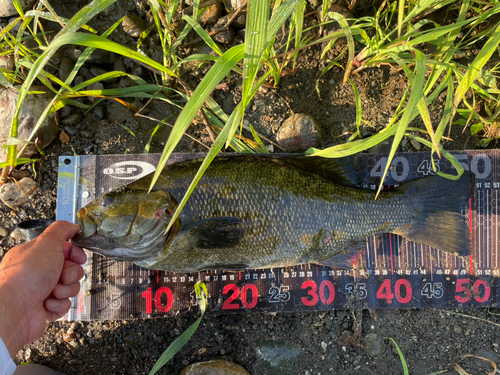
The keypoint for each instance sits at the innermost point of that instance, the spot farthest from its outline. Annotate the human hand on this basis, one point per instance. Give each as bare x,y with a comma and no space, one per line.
36,281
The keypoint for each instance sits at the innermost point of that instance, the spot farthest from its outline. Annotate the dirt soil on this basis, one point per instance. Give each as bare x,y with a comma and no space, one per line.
432,340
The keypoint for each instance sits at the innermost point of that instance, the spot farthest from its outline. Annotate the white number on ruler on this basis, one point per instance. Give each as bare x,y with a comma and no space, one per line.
480,164
399,161
358,289
425,168
279,295
432,290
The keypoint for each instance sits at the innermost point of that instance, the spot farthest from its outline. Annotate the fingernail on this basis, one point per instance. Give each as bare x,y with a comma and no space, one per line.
52,304
72,276
64,291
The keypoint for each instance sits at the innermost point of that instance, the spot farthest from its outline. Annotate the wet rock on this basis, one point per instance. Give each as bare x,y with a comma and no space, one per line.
95,86
65,68
225,37
29,229
71,130
96,71
214,367
277,357
134,25
31,110
64,137
374,345
12,196
65,111
98,111
7,8
72,120
211,14
298,133
86,134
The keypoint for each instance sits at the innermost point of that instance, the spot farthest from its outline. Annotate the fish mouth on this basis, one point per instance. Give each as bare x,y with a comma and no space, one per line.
88,223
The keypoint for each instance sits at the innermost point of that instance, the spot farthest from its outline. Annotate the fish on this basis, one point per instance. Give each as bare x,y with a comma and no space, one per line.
267,211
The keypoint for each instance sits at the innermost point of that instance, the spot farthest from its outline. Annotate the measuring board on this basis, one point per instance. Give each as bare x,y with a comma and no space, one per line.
392,272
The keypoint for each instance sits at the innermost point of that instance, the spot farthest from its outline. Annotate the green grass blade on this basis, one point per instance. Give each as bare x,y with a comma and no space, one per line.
203,34
401,356
359,109
81,18
179,342
482,57
401,10
217,146
206,86
350,41
416,90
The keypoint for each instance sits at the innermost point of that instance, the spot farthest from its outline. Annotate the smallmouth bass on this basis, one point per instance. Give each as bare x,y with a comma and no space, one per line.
267,211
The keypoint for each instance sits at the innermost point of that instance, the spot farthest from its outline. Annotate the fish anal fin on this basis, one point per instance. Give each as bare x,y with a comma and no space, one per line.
346,259
215,232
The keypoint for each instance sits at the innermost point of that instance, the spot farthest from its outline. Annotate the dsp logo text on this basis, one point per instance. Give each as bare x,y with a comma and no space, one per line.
129,170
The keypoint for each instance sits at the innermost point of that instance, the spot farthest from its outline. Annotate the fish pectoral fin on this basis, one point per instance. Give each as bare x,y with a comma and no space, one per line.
348,258
214,233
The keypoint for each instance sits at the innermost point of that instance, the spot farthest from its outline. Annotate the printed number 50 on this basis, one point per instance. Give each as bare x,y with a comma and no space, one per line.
464,292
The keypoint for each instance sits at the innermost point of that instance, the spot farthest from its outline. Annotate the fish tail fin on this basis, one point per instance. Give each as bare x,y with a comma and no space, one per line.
440,223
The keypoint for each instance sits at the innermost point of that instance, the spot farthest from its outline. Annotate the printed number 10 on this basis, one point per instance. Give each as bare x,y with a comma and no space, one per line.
148,294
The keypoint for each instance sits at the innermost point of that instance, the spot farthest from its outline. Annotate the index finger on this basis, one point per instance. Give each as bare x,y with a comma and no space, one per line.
59,232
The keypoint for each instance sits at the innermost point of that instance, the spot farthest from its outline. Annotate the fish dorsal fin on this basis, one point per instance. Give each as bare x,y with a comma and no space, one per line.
214,233
340,171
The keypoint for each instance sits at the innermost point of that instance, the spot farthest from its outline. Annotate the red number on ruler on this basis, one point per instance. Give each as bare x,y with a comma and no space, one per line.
310,293
170,299
385,291
247,288
408,291
463,289
228,305
254,295
326,284
148,294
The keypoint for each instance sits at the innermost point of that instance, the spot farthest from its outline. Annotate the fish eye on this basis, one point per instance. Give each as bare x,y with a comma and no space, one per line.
159,213
106,201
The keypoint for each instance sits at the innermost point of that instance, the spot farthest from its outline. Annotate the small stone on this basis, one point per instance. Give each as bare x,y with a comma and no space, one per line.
96,71
65,68
7,8
98,111
211,14
7,62
298,133
65,111
13,197
86,134
71,130
74,343
64,137
225,37
53,349
458,330
222,352
75,326
72,120
202,351
416,144
134,25
214,367
374,346
4,232
324,345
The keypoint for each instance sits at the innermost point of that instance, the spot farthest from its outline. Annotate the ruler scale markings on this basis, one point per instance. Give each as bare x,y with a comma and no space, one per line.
398,252
496,228
374,253
487,229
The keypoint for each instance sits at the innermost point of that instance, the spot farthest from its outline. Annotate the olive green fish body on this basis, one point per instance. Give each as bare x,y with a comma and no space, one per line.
256,212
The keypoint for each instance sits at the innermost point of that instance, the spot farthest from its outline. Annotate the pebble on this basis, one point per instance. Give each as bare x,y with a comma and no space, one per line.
65,68
458,330
324,345
7,8
72,120
211,14
225,37
298,133
31,110
86,134
13,197
214,367
64,137
96,71
53,349
277,357
98,111
134,25
71,130
4,232
7,62
374,345
416,144
65,111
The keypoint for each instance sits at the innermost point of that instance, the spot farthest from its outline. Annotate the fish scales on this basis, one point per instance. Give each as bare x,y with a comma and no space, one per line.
256,212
